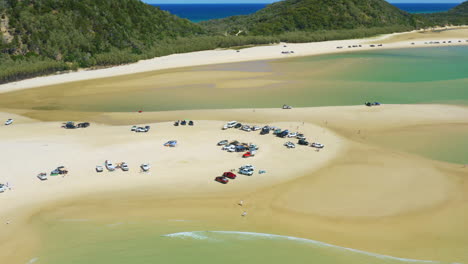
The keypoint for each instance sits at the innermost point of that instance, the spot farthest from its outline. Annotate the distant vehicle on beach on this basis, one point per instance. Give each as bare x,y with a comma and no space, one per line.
9,122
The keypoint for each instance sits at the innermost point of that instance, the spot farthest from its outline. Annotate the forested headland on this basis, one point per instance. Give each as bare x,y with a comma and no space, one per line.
40,37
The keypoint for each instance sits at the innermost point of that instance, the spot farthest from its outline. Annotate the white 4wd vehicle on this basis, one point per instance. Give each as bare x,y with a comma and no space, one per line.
246,172
246,128
231,124
290,145
247,167
2,188
109,166
317,145
291,135
9,122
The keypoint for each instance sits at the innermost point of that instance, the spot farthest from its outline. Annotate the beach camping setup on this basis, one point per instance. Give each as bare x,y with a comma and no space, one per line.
61,170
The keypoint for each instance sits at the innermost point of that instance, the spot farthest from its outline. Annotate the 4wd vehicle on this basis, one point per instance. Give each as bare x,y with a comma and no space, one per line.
3,188
42,176
9,122
249,154
246,128
283,134
99,169
246,172
247,167
300,136
83,125
147,128
289,145
124,166
291,135
183,122
145,167
109,166
255,128
223,143
222,179
230,175
176,123
238,125
317,145
231,124
303,142
190,123
134,128
265,130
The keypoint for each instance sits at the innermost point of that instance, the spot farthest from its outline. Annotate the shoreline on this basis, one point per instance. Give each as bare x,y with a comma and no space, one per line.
336,192
212,57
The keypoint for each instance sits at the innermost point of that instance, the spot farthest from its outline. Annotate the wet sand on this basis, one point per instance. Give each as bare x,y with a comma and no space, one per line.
353,193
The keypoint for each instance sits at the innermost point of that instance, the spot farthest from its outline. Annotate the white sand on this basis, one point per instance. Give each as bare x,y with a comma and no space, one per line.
249,54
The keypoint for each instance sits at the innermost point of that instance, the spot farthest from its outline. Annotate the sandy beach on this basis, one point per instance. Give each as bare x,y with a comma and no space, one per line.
375,187
452,36
332,195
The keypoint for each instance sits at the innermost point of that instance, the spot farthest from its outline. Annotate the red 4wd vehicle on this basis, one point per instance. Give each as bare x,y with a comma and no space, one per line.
229,175
222,179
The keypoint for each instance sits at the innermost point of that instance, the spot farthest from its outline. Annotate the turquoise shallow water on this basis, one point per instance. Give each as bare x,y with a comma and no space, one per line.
82,242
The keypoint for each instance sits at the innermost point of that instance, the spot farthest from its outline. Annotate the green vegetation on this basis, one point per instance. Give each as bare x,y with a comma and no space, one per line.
456,16
313,15
39,37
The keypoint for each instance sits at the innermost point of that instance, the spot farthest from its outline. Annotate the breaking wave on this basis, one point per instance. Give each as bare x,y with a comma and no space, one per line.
212,235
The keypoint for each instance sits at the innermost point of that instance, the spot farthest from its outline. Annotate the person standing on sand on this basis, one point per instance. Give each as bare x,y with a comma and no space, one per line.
241,202
244,213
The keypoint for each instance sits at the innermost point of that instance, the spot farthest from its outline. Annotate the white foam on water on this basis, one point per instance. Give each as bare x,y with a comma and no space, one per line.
31,261
194,235
204,235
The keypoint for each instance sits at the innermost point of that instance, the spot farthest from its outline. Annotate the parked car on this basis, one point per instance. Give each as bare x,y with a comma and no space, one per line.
291,135
42,176
300,136
99,169
183,122
246,172
147,128
317,145
9,122
289,144
249,154
253,147
256,128
124,166
141,130
176,123
283,134
231,124
70,125
190,123
247,167
223,143
109,166
61,170
83,125
246,128
287,107
134,128
229,175
222,179
265,130
145,167
240,148
3,188
303,142
238,125
171,144
230,148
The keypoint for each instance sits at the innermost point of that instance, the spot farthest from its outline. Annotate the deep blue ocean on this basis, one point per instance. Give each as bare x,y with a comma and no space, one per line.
201,12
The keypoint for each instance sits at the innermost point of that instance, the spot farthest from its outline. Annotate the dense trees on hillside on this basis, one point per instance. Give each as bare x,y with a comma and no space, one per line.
313,15
456,16
40,37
